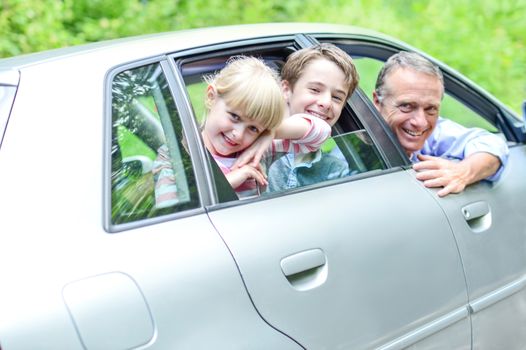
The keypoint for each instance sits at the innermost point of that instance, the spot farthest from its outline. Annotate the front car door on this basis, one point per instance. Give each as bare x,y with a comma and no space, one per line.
487,219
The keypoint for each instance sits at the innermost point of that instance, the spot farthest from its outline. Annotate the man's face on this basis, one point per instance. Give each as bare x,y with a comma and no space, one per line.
320,91
410,106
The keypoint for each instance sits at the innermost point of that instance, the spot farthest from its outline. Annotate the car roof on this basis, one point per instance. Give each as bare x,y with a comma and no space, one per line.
162,43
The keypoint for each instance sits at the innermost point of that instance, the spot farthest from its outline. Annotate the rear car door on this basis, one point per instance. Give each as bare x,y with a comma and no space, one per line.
364,261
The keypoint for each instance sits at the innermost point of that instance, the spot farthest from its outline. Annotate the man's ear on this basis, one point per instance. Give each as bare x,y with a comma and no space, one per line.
286,89
376,100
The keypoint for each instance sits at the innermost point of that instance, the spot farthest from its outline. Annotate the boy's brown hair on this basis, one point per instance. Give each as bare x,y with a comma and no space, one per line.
297,61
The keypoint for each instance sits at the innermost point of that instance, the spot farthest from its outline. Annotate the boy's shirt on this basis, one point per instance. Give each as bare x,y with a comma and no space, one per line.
297,170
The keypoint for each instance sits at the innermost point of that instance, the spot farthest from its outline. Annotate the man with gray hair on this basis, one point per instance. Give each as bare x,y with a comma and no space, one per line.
408,93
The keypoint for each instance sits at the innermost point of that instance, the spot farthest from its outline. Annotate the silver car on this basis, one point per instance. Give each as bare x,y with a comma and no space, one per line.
373,260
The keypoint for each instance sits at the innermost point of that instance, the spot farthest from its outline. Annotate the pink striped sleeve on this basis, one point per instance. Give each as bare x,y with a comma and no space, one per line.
318,132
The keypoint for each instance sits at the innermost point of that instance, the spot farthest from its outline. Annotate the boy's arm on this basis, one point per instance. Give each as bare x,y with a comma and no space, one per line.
301,133
294,127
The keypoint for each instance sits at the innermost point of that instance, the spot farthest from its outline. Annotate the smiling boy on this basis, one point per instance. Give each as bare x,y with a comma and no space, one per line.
316,81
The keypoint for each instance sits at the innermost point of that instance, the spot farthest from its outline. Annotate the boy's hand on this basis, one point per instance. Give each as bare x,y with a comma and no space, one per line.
252,155
237,176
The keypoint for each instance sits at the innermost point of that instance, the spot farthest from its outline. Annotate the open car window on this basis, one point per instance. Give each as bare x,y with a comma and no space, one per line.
451,107
350,151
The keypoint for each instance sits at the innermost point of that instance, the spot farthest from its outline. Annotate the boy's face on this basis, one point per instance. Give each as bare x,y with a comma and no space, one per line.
320,91
227,130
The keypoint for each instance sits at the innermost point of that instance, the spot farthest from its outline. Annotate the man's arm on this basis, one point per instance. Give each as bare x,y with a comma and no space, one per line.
482,155
455,176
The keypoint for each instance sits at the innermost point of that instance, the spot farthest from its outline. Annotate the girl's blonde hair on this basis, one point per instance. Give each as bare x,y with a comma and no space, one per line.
248,84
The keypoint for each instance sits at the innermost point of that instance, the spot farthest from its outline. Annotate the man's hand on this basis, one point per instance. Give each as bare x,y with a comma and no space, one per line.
253,154
455,176
237,176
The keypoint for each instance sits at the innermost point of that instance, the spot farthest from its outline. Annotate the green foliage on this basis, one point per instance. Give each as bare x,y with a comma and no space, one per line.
482,39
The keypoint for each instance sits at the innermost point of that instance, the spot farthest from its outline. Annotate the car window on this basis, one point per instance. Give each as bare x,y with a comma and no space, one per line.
455,110
151,171
450,108
348,152
341,156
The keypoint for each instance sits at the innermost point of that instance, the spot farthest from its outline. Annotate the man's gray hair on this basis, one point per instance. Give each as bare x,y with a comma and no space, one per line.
405,59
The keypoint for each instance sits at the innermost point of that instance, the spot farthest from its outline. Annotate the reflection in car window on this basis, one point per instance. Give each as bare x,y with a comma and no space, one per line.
146,131
340,156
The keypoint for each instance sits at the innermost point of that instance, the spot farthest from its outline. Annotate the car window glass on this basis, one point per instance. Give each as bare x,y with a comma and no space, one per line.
341,156
455,110
151,171
450,108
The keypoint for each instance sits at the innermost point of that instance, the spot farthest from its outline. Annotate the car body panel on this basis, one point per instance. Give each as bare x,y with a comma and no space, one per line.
361,299
150,45
381,272
52,237
495,273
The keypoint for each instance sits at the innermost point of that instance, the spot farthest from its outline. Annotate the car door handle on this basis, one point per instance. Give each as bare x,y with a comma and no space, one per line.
477,215
305,270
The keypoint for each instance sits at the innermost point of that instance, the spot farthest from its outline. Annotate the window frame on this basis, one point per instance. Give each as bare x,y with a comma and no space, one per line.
108,225
391,153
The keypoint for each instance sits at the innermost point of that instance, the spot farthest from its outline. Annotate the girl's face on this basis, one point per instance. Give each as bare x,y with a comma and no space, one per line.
228,131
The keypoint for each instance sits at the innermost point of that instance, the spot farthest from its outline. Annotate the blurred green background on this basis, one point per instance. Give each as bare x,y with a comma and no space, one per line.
484,39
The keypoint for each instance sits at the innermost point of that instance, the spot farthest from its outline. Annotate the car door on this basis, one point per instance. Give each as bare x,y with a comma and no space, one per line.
488,220
489,223
360,264
365,261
